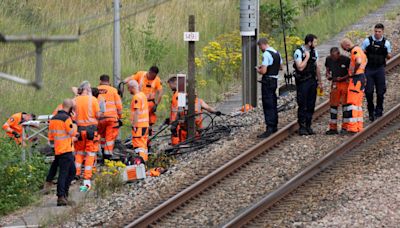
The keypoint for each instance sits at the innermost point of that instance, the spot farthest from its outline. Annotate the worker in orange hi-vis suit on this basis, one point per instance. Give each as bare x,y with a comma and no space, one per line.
110,122
337,71
139,119
353,115
150,85
13,125
87,112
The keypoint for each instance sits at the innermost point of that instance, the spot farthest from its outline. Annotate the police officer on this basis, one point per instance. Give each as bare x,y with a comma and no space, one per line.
378,49
271,64
308,77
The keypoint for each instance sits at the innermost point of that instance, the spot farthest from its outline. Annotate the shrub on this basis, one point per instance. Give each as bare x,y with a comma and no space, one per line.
19,180
109,178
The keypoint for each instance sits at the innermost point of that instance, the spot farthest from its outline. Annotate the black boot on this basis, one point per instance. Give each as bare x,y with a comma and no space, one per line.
267,133
309,129
303,129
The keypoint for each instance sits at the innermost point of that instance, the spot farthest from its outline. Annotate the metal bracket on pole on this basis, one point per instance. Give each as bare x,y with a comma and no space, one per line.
38,41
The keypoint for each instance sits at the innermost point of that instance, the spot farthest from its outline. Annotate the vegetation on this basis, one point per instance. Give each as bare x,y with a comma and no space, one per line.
19,180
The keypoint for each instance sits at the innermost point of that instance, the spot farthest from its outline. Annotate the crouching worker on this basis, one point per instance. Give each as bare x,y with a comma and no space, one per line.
177,117
13,126
62,134
139,120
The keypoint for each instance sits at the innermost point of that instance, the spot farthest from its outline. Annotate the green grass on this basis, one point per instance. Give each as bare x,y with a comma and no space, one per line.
332,18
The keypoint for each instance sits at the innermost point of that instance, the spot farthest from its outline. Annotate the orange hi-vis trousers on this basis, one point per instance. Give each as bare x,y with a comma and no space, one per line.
108,132
353,113
140,136
86,150
338,97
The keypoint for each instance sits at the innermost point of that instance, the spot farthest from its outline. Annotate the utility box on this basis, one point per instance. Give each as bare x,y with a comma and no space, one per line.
248,17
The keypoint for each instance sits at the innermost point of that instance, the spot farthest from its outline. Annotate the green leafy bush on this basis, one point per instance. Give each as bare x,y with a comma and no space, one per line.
19,180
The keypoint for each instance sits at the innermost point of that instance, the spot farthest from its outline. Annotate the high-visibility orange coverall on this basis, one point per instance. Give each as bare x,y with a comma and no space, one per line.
182,127
86,148
61,133
108,124
353,115
140,129
149,88
13,124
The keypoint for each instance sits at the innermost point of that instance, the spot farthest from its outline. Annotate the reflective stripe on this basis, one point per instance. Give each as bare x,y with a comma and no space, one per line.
80,152
138,150
334,111
111,109
88,167
109,143
62,137
352,107
143,120
78,165
92,154
71,131
58,131
353,120
108,152
333,121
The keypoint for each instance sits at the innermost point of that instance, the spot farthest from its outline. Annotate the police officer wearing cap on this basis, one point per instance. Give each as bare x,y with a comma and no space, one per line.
378,50
308,77
271,64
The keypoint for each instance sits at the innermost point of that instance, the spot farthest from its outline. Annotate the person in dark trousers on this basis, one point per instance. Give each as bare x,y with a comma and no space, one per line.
62,134
337,67
271,64
378,50
307,77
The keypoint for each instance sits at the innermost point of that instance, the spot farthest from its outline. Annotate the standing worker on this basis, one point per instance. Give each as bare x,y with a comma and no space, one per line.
353,116
87,114
62,134
174,112
378,50
109,122
271,64
139,120
13,126
308,77
337,68
150,84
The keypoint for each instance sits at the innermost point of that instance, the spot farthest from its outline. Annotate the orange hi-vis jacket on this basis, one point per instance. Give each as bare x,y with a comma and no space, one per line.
174,107
112,100
139,104
61,133
14,124
148,87
87,110
355,53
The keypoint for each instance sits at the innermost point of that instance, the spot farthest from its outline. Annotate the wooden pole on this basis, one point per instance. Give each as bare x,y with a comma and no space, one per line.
191,82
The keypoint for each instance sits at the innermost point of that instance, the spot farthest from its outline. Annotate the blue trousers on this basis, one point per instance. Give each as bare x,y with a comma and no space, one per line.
66,163
375,79
270,101
306,97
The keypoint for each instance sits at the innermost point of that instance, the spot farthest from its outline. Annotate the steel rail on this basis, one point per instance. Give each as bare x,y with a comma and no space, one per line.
316,167
217,175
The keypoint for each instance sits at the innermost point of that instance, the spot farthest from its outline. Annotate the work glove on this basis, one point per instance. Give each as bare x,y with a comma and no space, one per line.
166,121
16,135
154,108
218,113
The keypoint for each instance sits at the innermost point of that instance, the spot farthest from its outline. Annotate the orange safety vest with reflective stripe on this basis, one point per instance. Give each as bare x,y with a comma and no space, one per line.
357,52
61,133
174,107
148,87
113,104
139,105
14,124
87,110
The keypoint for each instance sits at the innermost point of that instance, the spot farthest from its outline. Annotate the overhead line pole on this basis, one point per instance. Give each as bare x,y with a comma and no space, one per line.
117,45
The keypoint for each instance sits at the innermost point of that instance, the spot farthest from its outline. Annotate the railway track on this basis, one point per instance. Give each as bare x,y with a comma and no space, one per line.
264,154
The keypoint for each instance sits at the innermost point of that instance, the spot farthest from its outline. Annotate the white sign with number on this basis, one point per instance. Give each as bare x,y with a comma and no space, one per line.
191,36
